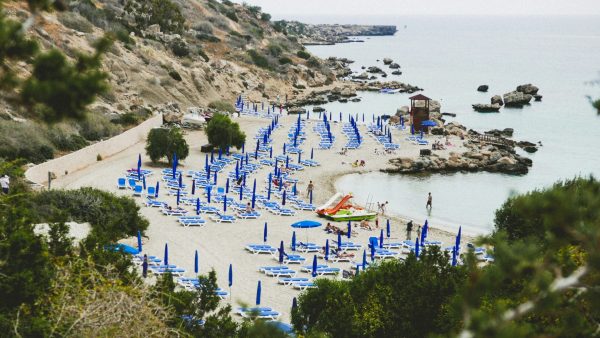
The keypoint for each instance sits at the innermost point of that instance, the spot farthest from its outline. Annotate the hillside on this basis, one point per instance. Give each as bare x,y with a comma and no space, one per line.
192,53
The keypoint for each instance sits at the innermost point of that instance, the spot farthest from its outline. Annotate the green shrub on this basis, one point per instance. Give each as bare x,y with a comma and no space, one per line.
127,119
303,54
98,157
223,133
24,140
123,36
180,48
96,127
175,75
258,59
280,26
227,3
265,17
596,104
111,217
285,60
231,15
75,21
207,37
164,142
204,27
313,62
164,13
275,49
203,54
222,106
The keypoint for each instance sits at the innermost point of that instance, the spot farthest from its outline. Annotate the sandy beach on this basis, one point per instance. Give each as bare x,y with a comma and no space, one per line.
221,244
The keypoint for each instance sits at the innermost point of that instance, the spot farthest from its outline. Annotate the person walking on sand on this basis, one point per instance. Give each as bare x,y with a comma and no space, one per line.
418,232
409,227
383,207
429,199
5,183
309,189
145,266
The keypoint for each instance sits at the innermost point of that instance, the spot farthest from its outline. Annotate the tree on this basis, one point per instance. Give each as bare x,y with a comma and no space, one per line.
544,279
164,142
392,299
223,133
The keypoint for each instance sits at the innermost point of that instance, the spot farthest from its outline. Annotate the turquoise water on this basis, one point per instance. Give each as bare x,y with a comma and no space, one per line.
449,57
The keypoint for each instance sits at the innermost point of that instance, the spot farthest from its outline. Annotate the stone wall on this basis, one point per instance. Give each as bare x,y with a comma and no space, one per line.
88,155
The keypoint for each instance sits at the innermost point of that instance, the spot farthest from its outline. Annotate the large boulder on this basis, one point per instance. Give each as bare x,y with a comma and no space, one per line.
497,99
486,108
483,88
318,109
374,69
528,89
435,106
394,66
387,61
362,76
516,99
402,111
396,72
296,110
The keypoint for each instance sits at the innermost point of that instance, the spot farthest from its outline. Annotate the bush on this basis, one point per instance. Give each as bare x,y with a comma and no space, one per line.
303,54
127,119
75,21
259,59
265,17
231,15
280,26
180,48
275,49
203,54
175,75
285,60
313,62
207,37
96,127
204,27
123,36
223,133
164,13
24,140
163,142
222,106
110,216
227,3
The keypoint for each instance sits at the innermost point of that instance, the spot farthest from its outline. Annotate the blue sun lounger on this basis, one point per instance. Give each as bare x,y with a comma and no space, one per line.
308,247
280,273
122,183
138,190
304,285
292,280
249,215
222,218
290,259
191,220
154,203
264,269
260,249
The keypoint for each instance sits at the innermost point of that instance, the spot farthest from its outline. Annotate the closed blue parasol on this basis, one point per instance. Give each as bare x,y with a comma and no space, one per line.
258,290
144,182
196,262
265,232
230,279
139,240
312,153
241,192
215,177
314,267
453,256
339,240
193,187
225,204
254,193
417,248
269,188
349,234
208,190
198,206
283,199
227,186
180,181
178,195
139,165
284,148
156,191
294,241
387,229
174,165
243,147
457,243
364,262
166,257
381,239
281,252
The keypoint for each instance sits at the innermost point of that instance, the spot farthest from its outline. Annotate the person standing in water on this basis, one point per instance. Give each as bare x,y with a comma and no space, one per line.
429,199
409,227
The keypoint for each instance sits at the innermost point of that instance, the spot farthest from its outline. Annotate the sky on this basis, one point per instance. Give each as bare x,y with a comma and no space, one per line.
302,8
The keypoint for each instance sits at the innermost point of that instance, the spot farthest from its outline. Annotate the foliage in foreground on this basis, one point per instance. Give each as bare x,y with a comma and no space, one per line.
393,299
165,142
223,133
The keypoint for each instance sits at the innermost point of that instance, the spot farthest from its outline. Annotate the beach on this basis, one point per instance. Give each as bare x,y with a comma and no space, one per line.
221,244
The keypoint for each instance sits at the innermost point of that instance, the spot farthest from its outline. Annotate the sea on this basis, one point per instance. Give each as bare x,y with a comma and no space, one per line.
450,57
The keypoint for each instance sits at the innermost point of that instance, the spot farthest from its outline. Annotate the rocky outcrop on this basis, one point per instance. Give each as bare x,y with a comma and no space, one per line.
528,89
296,110
374,70
171,113
508,132
497,99
483,88
323,34
394,66
378,85
516,99
486,108
387,61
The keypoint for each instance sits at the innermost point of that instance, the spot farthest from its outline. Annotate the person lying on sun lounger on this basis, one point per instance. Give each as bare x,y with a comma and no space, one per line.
342,254
249,208
365,225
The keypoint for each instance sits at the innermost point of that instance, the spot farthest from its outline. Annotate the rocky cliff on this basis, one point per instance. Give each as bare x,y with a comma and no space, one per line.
322,34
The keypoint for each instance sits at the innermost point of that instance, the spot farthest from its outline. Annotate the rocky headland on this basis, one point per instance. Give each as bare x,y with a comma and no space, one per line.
323,34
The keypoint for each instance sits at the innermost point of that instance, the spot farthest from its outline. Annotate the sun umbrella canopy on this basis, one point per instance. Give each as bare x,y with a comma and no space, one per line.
428,123
306,224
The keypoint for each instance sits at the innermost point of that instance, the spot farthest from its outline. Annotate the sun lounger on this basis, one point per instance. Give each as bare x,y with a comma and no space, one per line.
349,246
392,245
292,280
174,271
249,215
385,254
191,220
138,190
291,259
271,268
308,268
132,183
260,249
327,271
280,273
304,285
122,183
154,203
431,243
308,247
209,209
222,218
272,315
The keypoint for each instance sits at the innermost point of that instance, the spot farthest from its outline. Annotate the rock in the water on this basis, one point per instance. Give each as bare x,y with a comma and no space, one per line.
296,110
343,100
362,76
537,97
402,111
394,66
348,92
530,149
437,131
528,89
396,72
356,99
483,88
516,99
486,108
374,69
318,109
508,132
497,99
387,61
